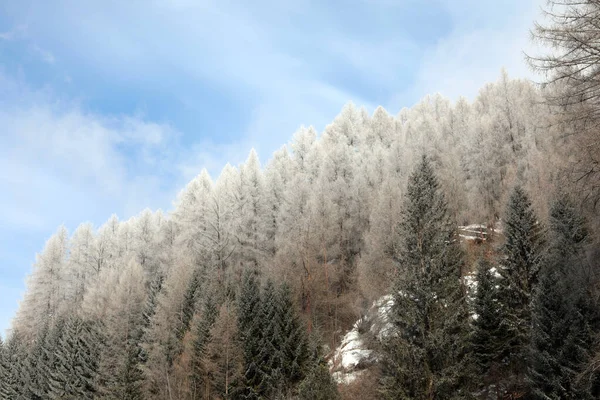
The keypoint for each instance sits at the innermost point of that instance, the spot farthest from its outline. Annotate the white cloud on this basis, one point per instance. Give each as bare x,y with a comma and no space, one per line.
485,38
56,161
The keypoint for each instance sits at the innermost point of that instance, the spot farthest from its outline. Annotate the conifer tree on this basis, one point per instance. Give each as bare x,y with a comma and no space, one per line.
76,364
426,358
199,380
318,384
250,332
188,306
3,367
294,345
488,329
489,332
269,360
36,366
13,383
49,354
561,335
519,270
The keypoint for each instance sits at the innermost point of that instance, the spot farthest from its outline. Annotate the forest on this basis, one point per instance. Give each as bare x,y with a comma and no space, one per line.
248,285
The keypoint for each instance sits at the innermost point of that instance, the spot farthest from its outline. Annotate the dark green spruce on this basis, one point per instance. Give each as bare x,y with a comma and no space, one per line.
519,267
428,356
562,336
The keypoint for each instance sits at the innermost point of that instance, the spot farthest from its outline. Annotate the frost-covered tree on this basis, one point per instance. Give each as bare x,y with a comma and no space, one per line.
253,212
570,67
145,231
81,265
277,177
169,323
338,183
120,374
224,357
46,288
106,250
192,214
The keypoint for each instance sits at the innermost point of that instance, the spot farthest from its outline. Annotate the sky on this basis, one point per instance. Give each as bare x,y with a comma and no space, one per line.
113,106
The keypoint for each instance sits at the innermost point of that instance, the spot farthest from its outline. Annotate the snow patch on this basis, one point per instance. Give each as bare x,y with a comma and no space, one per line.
353,356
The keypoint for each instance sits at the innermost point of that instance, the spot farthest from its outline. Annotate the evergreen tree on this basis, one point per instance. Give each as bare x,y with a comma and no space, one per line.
294,345
13,383
250,332
76,361
131,376
148,313
489,331
199,380
427,358
188,306
270,362
561,335
318,384
152,299
3,367
521,251
37,368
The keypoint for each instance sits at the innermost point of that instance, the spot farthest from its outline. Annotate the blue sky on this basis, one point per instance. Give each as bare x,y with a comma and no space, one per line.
112,106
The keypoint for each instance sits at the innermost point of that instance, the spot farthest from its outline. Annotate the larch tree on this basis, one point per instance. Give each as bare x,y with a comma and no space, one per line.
200,379
120,374
46,288
145,231
106,250
81,265
224,356
570,68
277,177
253,212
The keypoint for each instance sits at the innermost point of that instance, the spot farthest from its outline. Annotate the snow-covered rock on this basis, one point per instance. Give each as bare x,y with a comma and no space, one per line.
354,355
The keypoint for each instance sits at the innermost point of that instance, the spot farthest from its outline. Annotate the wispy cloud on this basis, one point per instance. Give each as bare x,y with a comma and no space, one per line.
45,55
68,155
16,33
214,78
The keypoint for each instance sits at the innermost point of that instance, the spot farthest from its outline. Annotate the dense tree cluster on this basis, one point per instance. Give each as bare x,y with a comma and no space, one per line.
239,290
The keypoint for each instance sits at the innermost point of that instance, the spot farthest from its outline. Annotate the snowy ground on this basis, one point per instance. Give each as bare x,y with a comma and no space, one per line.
353,355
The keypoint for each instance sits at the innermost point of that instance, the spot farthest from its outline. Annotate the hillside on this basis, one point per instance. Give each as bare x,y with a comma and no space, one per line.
183,304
